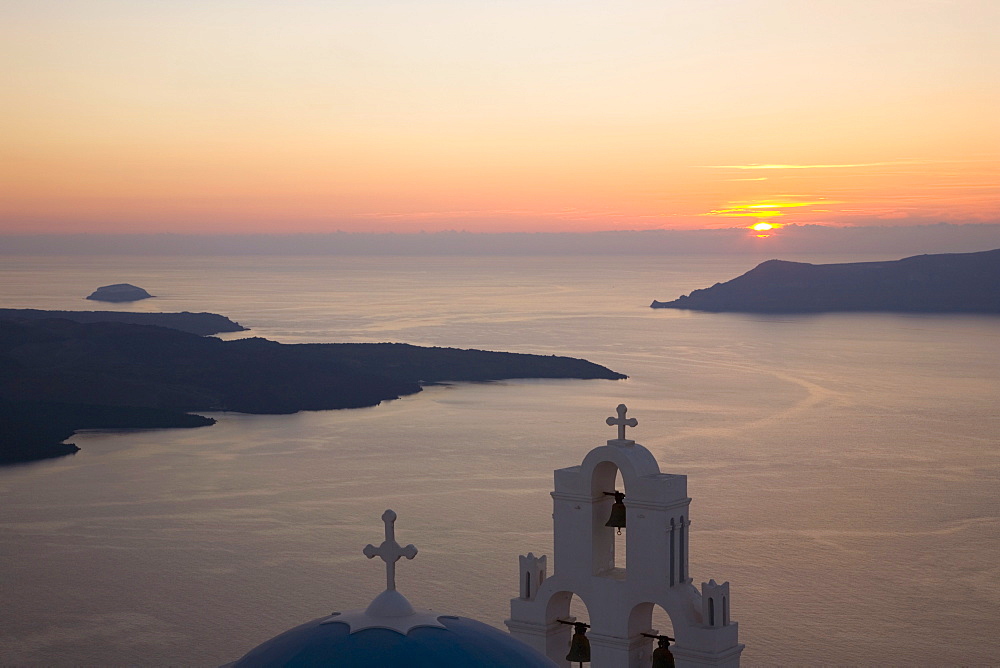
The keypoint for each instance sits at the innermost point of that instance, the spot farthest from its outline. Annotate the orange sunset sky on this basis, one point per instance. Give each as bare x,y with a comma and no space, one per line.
243,116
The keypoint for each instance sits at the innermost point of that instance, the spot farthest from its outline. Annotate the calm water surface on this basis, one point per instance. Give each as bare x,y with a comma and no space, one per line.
844,469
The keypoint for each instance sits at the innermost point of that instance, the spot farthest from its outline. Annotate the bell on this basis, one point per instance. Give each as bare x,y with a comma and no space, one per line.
617,518
579,645
662,658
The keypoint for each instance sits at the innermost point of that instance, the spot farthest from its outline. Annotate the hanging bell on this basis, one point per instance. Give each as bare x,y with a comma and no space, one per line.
662,658
579,645
617,519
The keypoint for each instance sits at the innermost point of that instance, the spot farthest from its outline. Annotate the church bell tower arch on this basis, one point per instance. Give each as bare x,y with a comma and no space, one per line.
620,599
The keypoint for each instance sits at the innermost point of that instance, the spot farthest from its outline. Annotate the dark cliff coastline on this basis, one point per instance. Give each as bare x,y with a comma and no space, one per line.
947,283
58,375
202,324
32,430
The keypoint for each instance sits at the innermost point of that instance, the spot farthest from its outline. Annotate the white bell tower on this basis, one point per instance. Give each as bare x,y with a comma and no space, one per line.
620,597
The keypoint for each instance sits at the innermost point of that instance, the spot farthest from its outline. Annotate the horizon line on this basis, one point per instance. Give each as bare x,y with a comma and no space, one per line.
389,233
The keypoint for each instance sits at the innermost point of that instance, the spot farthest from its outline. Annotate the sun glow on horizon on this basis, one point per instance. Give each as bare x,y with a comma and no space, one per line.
765,229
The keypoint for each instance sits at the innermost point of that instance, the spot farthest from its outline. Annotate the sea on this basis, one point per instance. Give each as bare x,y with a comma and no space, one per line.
844,469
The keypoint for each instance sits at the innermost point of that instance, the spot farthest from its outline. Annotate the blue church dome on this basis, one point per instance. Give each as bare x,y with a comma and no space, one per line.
390,633
458,643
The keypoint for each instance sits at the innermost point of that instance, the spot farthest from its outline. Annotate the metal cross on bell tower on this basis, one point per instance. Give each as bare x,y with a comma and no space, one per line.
622,422
390,551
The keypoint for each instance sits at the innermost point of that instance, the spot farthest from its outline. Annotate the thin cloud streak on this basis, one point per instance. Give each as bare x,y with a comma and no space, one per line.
840,166
973,186
765,209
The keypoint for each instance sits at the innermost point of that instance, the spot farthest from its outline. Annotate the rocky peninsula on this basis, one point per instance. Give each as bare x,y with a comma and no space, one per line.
944,283
57,375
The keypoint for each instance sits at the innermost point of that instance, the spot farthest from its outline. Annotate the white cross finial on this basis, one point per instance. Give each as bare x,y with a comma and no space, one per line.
390,551
622,422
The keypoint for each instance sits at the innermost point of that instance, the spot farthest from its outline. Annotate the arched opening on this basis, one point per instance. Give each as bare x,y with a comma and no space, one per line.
605,476
725,611
661,622
578,609
621,540
608,547
564,605
648,618
711,612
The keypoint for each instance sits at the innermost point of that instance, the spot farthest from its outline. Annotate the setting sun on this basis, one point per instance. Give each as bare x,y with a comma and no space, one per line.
764,229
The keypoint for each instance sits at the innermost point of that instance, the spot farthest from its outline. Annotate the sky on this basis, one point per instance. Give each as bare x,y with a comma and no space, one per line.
253,116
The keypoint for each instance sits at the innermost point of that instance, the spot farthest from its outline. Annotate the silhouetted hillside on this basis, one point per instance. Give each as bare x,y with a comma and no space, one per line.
113,365
31,430
193,323
949,283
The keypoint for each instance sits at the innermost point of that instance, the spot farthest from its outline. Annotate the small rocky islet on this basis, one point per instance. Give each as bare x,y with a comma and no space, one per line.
119,293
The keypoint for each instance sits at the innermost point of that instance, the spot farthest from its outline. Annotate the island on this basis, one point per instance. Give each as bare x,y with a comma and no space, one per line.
119,292
57,375
942,283
202,324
